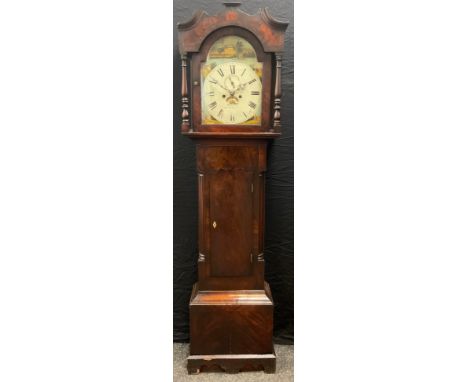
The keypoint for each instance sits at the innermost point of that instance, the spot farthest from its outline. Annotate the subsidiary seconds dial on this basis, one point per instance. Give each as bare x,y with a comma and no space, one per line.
232,93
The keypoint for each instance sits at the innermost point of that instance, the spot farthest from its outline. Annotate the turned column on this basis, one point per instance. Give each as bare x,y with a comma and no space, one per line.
185,99
277,106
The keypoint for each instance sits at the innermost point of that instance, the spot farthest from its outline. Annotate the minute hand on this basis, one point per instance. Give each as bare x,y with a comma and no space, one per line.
242,86
222,87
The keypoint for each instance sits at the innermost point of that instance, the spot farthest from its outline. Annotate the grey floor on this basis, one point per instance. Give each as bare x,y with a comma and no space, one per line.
284,368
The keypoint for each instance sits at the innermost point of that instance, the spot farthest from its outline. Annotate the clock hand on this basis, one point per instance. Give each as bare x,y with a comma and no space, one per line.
241,86
222,87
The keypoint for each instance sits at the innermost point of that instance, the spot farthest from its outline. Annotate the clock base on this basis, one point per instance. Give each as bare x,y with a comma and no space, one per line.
231,363
231,331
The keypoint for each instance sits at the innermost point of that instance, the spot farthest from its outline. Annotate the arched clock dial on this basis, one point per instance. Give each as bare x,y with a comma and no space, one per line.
232,93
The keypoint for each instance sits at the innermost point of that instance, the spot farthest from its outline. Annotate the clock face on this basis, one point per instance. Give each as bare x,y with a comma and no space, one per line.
231,83
232,93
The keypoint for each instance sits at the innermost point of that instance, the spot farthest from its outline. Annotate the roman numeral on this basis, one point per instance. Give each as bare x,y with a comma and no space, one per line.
252,104
233,69
220,71
212,105
211,94
243,72
232,118
245,115
213,81
220,114
254,92
252,81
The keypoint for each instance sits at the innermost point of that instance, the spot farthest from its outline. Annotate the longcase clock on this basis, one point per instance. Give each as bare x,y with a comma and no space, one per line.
231,103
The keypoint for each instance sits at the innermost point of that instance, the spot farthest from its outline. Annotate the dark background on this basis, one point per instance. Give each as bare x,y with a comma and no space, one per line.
279,219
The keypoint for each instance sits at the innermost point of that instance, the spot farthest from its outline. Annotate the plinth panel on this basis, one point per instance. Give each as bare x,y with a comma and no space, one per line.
231,326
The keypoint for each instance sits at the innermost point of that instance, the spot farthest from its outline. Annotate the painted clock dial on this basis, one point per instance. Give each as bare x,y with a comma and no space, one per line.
232,93
231,89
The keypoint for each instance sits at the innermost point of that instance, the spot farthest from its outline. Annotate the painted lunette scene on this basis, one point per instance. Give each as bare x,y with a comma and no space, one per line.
229,49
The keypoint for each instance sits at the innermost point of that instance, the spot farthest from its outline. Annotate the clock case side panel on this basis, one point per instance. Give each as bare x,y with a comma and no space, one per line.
212,156
199,58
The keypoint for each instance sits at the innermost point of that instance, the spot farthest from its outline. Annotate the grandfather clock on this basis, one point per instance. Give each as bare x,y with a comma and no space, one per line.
231,96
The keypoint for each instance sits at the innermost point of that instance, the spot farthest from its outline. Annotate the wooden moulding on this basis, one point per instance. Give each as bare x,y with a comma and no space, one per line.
269,30
233,134
232,363
237,297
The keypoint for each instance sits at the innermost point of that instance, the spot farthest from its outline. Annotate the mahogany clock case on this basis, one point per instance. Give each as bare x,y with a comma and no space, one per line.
279,193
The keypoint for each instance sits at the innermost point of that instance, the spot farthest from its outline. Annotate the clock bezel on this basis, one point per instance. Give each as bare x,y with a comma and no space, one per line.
199,58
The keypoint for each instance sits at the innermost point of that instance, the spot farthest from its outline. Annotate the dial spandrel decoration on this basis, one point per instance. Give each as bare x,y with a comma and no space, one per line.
231,80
